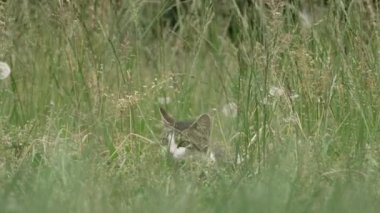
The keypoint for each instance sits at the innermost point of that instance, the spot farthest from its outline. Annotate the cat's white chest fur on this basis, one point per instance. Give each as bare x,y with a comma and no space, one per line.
177,152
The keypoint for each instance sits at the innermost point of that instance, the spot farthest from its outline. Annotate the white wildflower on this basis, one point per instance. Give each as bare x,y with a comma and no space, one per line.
276,91
230,110
294,96
212,158
265,101
164,100
239,159
291,119
5,70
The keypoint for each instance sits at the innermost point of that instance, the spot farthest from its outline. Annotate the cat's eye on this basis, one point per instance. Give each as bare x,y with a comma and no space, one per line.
182,140
184,144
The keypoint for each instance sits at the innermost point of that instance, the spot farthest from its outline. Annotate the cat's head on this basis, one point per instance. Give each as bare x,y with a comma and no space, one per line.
181,136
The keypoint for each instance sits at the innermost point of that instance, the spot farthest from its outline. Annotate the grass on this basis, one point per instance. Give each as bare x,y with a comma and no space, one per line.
80,126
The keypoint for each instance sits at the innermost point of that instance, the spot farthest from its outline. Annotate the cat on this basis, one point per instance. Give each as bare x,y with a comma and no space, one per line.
187,139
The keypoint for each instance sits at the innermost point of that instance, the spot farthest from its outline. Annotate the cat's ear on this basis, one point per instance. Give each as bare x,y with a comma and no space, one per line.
203,123
166,118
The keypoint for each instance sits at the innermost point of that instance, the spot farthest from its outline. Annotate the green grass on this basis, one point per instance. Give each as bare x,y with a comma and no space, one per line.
80,126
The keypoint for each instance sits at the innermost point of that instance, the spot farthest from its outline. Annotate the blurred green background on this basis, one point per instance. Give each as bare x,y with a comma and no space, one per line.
292,89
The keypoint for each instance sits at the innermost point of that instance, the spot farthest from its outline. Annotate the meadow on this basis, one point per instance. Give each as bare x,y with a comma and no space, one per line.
295,103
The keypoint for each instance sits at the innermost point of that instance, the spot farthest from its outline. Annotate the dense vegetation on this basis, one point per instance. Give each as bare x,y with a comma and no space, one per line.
80,126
